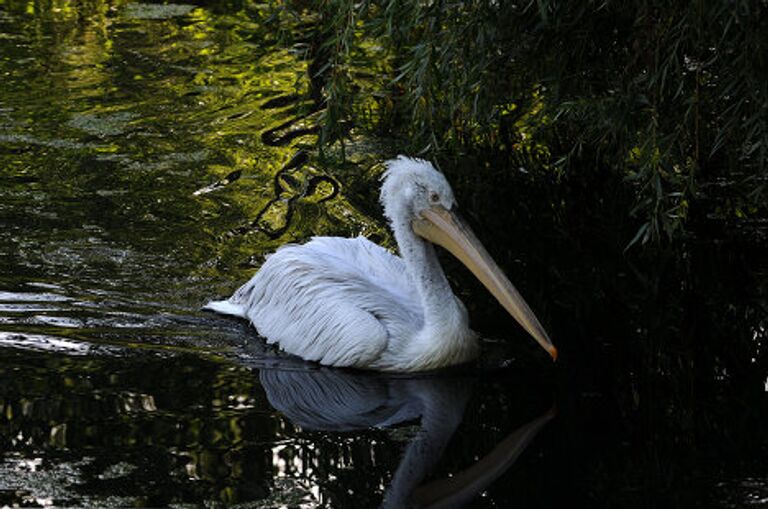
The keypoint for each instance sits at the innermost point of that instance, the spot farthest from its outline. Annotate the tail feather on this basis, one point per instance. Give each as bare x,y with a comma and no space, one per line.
226,307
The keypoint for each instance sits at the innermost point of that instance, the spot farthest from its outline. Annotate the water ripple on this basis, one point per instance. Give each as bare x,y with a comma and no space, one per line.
44,343
32,297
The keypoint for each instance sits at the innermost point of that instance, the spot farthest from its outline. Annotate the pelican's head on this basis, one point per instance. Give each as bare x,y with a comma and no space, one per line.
412,186
415,190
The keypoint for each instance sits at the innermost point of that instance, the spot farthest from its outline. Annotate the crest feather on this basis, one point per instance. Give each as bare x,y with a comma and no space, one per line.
400,173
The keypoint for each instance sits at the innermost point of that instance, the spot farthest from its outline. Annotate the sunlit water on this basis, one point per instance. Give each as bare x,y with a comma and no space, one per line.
150,156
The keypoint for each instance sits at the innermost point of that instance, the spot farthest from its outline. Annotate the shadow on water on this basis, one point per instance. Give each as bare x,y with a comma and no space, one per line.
150,157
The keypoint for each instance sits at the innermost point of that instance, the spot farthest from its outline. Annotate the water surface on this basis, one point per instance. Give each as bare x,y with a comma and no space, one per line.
152,154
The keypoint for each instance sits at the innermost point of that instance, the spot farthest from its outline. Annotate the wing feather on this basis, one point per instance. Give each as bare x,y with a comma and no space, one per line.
338,301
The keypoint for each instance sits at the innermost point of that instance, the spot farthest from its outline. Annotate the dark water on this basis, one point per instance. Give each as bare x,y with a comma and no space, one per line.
151,155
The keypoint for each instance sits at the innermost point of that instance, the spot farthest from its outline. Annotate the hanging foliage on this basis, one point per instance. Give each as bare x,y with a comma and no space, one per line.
670,96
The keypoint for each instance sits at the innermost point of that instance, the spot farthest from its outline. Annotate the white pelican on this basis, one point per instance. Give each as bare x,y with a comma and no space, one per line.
348,302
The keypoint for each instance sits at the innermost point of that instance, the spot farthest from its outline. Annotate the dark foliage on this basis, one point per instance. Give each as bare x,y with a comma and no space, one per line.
671,97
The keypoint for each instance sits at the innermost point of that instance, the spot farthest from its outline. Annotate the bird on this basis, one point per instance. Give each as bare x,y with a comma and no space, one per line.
348,302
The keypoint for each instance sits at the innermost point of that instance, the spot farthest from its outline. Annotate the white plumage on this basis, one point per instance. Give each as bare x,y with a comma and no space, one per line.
348,302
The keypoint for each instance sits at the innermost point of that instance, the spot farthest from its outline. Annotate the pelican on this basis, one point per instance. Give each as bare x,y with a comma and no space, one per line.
351,303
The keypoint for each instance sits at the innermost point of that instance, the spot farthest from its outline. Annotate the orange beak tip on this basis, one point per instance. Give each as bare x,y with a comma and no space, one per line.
553,352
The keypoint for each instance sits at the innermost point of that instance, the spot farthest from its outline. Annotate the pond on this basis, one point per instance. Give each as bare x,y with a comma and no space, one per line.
151,155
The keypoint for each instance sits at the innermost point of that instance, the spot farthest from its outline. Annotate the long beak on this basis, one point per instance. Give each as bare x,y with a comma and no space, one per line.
446,228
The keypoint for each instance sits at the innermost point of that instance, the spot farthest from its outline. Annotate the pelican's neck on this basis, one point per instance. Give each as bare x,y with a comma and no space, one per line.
438,302
441,409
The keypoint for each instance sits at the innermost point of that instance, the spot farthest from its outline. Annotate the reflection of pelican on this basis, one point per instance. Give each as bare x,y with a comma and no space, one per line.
328,400
459,489
349,302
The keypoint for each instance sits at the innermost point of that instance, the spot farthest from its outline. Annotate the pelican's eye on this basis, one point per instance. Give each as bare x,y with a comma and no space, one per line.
434,197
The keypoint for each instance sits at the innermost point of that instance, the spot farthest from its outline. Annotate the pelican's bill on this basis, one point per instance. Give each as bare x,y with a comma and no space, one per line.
447,229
